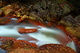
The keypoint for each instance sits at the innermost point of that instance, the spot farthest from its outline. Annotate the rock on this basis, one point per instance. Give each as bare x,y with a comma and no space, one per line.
78,19
0,12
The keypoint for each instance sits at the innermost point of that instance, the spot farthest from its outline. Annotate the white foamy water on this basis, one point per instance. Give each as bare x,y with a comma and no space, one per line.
9,32
41,37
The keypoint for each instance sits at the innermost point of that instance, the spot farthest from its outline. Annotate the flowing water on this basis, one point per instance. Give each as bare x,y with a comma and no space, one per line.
42,36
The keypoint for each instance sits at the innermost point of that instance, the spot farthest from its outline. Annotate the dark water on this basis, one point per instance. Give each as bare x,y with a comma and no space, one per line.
2,51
